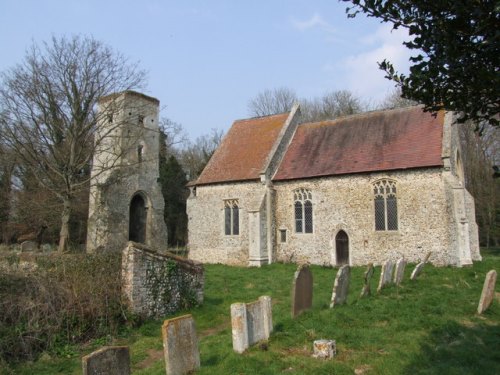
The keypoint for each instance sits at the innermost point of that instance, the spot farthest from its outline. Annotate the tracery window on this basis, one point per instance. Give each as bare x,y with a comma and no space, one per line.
303,211
386,205
231,217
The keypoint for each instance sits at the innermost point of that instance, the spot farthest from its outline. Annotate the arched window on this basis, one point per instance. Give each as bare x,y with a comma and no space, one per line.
231,217
386,205
137,219
303,211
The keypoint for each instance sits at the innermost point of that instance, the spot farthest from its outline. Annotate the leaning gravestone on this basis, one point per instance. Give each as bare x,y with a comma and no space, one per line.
368,276
488,291
251,322
417,271
385,275
110,360
28,246
302,291
341,286
400,271
180,345
419,267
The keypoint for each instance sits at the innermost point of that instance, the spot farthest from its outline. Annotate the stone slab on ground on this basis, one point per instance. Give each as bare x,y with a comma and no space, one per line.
341,286
488,292
251,323
324,349
180,345
302,290
109,360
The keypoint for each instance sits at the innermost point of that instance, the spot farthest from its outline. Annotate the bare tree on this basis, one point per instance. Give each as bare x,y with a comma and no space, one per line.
332,105
395,100
51,120
173,136
271,102
195,155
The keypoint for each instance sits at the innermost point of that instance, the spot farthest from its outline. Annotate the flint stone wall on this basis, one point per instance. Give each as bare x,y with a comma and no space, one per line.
156,284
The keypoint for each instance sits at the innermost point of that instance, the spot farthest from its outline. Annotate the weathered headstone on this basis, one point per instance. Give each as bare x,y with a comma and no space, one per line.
28,246
365,292
302,291
341,286
488,291
417,270
110,360
180,345
251,323
324,349
400,271
385,275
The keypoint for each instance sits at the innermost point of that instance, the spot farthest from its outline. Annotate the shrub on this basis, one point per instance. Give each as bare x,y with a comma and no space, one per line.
57,300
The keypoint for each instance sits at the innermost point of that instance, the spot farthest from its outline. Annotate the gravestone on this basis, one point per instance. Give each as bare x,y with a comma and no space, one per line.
385,275
180,345
341,286
28,246
488,291
417,270
302,291
400,271
365,292
324,349
251,323
110,360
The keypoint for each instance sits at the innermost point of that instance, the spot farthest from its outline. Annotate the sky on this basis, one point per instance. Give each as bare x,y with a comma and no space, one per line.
207,59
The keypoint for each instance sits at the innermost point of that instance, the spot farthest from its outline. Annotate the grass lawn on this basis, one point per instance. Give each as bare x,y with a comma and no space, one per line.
427,326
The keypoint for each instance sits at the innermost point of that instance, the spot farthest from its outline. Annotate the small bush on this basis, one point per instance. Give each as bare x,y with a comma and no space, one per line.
58,301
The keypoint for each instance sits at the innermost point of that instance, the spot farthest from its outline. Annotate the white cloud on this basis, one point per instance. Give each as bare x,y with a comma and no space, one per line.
316,21
360,73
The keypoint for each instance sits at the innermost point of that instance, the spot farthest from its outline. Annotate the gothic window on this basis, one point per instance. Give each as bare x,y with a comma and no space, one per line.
303,211
231,217
386,205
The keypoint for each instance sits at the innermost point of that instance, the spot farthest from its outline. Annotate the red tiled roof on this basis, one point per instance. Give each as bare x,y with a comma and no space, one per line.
375,141
244,150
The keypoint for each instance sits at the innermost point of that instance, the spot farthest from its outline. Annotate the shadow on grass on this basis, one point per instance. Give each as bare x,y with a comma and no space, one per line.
459,349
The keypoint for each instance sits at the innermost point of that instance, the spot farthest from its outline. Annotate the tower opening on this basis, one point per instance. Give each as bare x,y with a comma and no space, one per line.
137,220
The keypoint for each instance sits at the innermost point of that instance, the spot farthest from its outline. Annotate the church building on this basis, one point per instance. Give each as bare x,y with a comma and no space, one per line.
360,189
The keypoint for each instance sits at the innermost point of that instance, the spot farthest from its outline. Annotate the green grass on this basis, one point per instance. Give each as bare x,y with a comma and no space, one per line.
428,326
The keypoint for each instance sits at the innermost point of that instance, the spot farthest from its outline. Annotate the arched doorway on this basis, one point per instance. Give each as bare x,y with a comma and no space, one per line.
342,248
138,219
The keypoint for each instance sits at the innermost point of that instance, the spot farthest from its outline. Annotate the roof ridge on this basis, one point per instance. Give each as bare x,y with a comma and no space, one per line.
360,115
261,117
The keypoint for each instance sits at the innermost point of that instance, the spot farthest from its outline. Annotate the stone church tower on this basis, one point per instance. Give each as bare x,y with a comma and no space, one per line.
126,203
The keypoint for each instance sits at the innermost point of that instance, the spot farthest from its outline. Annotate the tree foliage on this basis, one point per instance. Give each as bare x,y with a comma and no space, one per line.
50,117
457,45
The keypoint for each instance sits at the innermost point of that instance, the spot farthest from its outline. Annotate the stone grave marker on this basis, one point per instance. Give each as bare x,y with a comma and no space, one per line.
488,291
400,271
385,275
180,345
417,270
324,349
109,360
302,291
365,292
251,323
28,246
341,286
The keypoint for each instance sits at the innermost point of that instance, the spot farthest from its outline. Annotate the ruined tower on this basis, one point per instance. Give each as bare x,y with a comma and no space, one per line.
126,203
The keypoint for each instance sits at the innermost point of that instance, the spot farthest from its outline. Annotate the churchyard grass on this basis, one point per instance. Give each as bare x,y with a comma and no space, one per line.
426,326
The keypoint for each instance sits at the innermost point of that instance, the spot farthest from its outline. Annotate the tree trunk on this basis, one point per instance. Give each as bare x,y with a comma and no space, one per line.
64,234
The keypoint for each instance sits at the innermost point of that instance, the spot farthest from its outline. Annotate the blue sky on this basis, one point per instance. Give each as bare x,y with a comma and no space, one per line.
207,59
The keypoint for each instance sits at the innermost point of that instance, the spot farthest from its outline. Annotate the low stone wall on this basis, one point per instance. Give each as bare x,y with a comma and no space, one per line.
157,284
